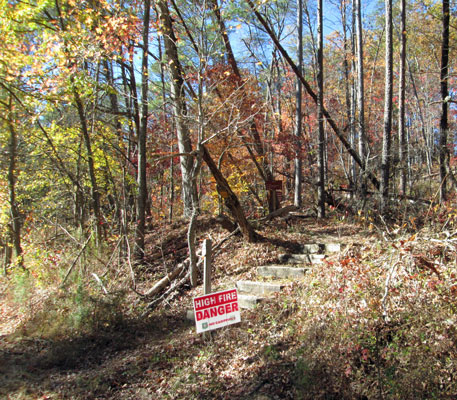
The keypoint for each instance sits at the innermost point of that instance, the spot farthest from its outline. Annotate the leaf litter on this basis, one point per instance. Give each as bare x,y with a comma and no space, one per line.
372,321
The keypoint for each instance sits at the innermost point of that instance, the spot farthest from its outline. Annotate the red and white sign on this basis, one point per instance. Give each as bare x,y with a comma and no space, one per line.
216,310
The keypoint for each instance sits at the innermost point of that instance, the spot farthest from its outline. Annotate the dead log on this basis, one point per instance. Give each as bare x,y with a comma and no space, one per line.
279,213
167,279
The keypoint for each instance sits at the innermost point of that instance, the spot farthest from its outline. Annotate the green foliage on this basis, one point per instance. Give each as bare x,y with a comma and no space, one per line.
22,287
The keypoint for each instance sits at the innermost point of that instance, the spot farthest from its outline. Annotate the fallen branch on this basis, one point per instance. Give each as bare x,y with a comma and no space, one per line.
158,300
159,286
132,272
75,261
99,281
278,213
165,281
390,276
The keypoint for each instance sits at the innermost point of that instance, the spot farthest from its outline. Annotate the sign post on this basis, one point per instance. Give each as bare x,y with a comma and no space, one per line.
216,310
207,255
274,192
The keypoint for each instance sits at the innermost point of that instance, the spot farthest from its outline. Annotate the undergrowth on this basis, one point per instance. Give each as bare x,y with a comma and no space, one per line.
64,290
377,321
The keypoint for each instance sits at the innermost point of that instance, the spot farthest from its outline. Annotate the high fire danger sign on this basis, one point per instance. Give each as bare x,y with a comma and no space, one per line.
216,310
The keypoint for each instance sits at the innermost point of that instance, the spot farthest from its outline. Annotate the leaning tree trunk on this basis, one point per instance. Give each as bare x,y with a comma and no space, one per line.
313,95
266,171
230,198
95,194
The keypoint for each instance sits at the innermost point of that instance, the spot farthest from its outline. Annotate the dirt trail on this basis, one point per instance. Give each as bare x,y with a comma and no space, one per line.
134,358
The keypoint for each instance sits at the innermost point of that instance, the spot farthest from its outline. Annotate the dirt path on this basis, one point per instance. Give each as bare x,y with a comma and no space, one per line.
161,356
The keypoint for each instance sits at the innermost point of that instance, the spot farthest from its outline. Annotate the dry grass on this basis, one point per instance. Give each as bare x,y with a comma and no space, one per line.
376,321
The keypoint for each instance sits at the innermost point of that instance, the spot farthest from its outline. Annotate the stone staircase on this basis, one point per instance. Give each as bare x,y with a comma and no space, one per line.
291,266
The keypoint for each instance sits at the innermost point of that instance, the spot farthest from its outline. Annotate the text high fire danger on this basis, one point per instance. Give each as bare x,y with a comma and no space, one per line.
216,310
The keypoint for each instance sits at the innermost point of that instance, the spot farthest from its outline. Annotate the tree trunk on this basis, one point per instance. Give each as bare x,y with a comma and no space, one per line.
348,85
189,189
95,194
353,132
225,38
360,93
298,111
14,226
402,150
320,112
444,152
142,136
171,183
428,143
387,132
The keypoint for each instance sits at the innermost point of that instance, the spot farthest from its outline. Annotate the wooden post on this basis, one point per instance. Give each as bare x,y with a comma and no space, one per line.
207,256
207,261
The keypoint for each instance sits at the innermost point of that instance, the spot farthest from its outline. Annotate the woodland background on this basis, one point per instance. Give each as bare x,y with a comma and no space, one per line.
130,129
119,114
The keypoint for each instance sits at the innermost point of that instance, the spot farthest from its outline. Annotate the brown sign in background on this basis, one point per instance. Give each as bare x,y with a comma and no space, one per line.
273,185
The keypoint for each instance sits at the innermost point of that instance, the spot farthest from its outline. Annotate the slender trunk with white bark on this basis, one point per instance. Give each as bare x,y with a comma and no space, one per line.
360,91
387,132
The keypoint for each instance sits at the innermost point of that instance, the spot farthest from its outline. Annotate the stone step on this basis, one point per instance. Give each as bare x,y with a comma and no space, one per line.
261,288
312,248
281,271
332,247
315,248
302,258
249,301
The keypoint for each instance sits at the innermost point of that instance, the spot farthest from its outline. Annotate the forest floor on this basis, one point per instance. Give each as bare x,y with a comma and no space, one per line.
375,321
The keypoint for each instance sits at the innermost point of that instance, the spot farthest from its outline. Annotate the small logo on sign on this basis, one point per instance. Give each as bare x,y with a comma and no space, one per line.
205,325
